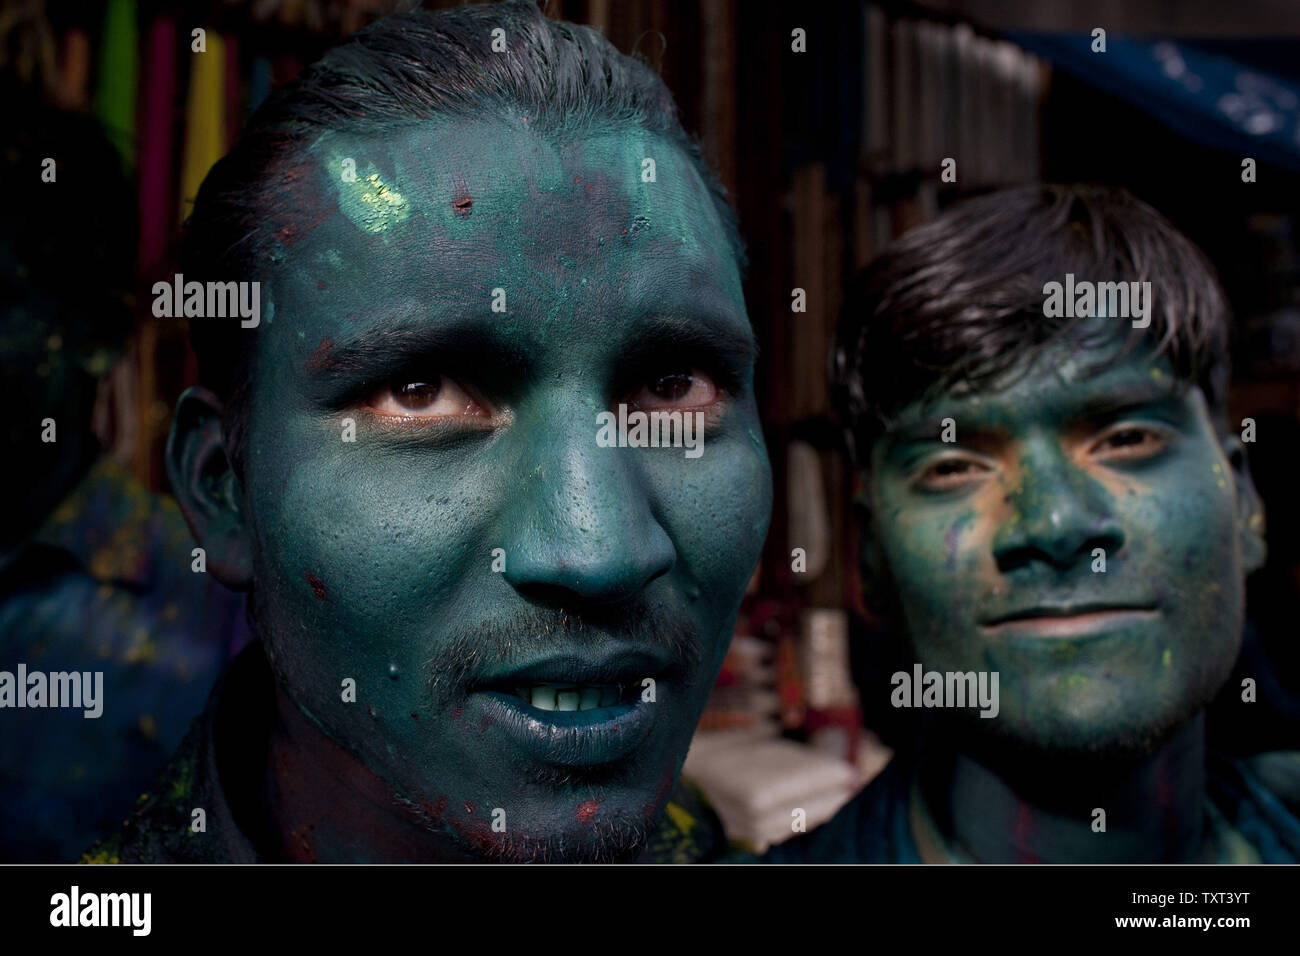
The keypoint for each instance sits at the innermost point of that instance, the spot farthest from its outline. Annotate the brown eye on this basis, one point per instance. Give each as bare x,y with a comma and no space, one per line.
949,473
1130,444
431,397
673,387
417,395
686,388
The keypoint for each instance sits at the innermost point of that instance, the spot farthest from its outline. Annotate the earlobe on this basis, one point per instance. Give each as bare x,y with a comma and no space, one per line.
1250,510
870,561
207,488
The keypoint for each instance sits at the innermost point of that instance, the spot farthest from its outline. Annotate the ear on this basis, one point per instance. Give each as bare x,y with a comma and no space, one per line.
207,488
871,562
1250,511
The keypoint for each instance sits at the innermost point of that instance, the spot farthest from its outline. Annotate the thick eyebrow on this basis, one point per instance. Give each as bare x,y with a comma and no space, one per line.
388,349
730,341
918,430
1115,404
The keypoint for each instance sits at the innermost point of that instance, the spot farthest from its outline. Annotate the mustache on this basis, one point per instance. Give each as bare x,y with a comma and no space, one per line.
535,632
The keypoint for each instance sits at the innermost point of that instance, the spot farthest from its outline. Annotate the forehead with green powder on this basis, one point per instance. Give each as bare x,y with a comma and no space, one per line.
464,207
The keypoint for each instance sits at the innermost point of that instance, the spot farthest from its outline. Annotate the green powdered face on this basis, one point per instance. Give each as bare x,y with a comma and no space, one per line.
469,296
996,544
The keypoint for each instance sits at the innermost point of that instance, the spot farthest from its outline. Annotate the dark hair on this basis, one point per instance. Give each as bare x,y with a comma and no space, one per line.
960,299
567,79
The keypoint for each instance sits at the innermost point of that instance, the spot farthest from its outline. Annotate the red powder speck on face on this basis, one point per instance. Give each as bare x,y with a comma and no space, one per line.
320,284
587,810
317,359
317,587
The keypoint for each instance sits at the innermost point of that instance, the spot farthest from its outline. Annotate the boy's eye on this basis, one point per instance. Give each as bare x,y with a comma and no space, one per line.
426,397
686,388
949,473
1130,443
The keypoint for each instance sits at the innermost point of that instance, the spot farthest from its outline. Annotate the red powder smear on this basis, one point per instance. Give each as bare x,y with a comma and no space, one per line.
317,586
462,201
587,810
314,363
1024,828
320,284
455,714
414,715
286,235
483,837
435,812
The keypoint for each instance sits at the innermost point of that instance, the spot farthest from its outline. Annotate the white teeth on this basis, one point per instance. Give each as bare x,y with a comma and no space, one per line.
568,697
543,698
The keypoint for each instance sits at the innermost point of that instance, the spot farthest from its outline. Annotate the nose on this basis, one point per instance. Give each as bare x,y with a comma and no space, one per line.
1060,514
582,527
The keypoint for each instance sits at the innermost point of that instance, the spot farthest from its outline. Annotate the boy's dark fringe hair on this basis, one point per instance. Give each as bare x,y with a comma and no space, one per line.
402,69
958,301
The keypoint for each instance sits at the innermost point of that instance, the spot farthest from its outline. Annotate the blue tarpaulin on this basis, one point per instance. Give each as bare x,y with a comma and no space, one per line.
1206,95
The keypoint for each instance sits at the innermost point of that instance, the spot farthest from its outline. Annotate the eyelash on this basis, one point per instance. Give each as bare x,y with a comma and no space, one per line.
1160,440
928,478
373,400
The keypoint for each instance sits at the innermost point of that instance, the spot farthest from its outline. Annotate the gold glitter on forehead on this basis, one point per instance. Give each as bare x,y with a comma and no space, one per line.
369,202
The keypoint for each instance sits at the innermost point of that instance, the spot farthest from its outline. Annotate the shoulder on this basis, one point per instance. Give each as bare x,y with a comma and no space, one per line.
870,828
167,826
160,830
689,830
1258,797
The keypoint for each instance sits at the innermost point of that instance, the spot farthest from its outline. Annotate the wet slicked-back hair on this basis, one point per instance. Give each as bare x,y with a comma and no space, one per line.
958,301
568,80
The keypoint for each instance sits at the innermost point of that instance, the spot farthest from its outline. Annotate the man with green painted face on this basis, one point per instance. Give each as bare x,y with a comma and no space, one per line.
483,634
1052,497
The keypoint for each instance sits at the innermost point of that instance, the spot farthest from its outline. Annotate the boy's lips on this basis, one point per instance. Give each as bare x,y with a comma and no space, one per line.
1069,620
